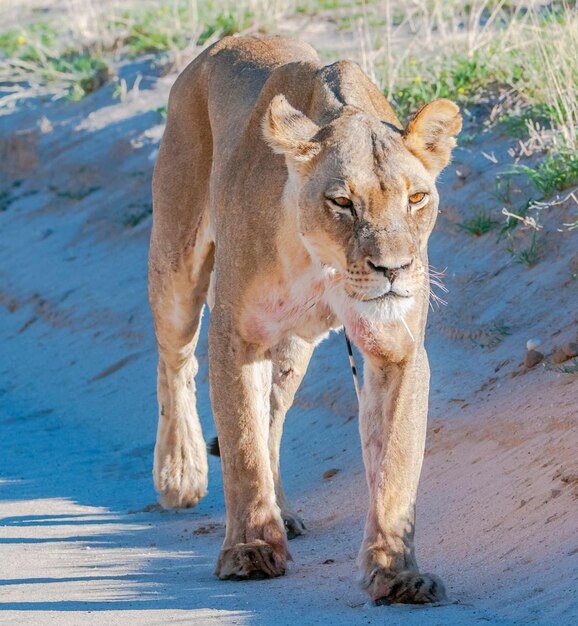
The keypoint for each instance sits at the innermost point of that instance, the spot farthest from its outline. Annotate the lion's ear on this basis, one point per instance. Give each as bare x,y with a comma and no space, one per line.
288,131
431,134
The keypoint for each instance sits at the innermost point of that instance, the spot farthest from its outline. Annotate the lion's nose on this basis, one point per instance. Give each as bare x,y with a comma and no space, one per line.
392,269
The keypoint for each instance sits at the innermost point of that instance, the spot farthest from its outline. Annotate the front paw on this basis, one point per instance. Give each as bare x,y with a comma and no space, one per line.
405,587
252,561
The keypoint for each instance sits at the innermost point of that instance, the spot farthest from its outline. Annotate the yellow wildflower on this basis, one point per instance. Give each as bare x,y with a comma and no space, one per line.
461,90
412,62
400,93
417,79
21,40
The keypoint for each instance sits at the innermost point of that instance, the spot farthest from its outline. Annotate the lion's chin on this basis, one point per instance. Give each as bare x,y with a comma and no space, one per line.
382,309
389,307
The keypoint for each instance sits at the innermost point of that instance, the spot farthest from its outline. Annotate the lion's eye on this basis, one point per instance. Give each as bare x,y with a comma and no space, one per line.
342,201
417,198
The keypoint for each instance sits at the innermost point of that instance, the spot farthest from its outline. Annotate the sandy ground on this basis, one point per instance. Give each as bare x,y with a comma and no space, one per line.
497,508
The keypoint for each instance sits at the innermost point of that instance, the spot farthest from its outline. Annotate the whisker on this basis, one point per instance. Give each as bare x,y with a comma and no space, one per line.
408,329
435,298
436,277
435,271
438,284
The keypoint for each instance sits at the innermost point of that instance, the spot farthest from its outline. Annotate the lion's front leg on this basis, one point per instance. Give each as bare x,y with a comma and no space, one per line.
393,419
255,545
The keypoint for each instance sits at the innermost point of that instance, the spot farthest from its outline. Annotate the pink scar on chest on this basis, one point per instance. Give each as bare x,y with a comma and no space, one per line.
360,331
270,316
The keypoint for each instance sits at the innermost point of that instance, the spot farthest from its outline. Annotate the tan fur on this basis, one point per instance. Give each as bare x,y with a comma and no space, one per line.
258,135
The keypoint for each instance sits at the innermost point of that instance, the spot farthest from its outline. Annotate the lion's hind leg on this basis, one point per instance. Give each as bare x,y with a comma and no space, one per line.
290,360
180,459
180,264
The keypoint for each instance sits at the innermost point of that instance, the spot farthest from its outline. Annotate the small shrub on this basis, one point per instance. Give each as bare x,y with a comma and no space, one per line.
556,173
460,78
87,73
6,200
10,42
223,24
493,336
515,123
32,44
530,255
568,368
75,196
136,217
153,32
478,225
511,224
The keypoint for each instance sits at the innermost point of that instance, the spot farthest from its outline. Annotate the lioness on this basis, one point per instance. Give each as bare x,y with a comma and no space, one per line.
289,196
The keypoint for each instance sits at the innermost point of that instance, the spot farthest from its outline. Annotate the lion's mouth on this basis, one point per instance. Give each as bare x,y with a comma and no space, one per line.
375,294
388,295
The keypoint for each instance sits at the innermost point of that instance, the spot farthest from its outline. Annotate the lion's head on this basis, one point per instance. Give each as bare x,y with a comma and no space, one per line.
366,194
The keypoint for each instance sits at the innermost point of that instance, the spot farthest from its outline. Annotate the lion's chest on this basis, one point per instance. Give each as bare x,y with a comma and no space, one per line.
278,307
376,328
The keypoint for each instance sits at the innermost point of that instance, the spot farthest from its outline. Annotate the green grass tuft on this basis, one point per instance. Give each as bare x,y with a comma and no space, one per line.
223,24
154,31
556,173
6,199
460,78
478,225
75,196
530,255
568,368
511,223
136,217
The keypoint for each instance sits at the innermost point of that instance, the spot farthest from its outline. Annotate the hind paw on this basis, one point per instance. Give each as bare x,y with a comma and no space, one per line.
180,481
293,524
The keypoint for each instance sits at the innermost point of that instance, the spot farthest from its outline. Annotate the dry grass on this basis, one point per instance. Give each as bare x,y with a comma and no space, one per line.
479,50
181,21
73,49
522,52
551,63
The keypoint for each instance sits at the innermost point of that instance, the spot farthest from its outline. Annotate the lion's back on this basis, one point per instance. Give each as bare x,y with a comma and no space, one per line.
229,77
